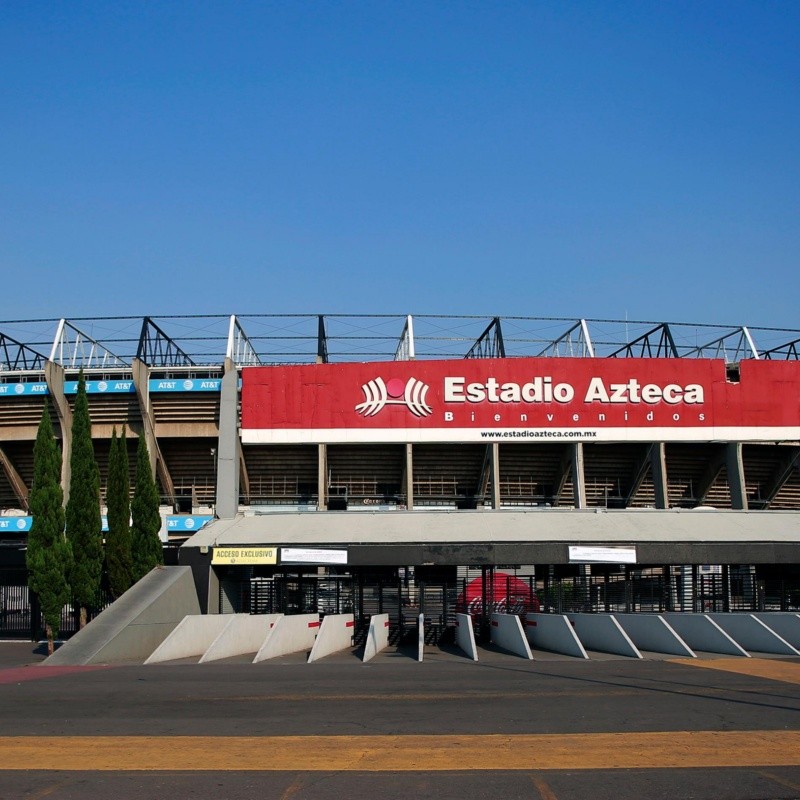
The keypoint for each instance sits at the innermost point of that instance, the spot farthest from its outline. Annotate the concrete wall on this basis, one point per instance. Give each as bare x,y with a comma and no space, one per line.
702,633
335,635
420,637
652,632
465,636
244,633
752,634
507,632
191,638
289,635
377,636
784,623
603,633
131,628
553,632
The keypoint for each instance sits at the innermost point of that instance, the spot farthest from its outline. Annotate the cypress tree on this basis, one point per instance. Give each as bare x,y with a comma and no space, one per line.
119,561
84,526
146,546
48,553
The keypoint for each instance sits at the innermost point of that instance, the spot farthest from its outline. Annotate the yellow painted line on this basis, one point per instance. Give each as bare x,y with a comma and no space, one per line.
787,671
664,749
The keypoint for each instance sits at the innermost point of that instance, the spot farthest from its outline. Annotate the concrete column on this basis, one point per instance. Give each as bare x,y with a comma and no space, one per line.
735,468
54,375
227,464
658,469
322,477
494,474
409,474
578,482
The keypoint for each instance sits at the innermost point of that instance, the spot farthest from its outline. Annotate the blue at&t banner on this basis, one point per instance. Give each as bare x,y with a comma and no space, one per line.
186,523
185,384
19,389
15,523
101,387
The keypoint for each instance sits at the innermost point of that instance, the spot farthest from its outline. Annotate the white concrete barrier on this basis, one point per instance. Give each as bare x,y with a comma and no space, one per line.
335,635
377,636
553,632
245,633
785,623
420,637
465,636
507,632
702,633
752,634
289,634
603,633
191,637
653,632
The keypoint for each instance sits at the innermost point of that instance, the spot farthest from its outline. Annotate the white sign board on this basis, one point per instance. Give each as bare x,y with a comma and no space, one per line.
602,555
305,555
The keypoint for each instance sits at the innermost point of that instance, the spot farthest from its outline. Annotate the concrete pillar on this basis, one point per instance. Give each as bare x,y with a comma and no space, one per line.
54,375
735,468
494,474
409,474
322,477
227,456
658,469
578,482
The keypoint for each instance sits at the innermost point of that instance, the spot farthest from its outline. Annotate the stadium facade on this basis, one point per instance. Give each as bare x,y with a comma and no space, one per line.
312,462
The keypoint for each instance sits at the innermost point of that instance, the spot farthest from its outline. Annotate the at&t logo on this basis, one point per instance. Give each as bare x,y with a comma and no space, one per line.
411,394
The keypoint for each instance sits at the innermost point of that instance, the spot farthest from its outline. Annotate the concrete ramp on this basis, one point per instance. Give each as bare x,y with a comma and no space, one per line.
377,636
335,634
507,632
244,634
784,623
553,632
702,633
603,633
290,634
653,632
465,636
752,634
191,638
132,627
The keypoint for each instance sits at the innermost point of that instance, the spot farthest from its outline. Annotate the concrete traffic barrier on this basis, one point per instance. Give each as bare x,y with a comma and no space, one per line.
752,634
335,634
507,632
289,634
603,633
191,637
420,637
245,633
553,632
702,633
784,623
377,636
465,636
653,632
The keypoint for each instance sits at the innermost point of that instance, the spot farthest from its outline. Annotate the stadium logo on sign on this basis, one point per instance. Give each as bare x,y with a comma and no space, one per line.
411,394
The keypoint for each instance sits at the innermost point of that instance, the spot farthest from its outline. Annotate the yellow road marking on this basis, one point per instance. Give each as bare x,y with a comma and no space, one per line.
782,781
531,752
545,792
787,671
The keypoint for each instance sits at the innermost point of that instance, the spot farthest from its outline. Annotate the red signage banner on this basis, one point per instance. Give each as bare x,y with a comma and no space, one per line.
522,399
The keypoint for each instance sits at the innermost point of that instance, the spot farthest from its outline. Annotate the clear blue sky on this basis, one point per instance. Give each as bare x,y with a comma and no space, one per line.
580,159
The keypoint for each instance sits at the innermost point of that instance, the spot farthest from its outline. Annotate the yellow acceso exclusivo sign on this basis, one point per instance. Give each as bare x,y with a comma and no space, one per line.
244,555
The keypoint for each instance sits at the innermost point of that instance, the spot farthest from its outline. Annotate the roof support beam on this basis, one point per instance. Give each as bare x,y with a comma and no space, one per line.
322,341
240,349
711,473
639,474
742,347
656,343
156,349
574,342
789,351
18,486
788,464
74,349
141,382
15,356
405,347
489,343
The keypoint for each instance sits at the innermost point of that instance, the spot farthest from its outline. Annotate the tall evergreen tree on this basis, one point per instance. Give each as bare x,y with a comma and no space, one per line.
146,546
48,553
84,526
119,561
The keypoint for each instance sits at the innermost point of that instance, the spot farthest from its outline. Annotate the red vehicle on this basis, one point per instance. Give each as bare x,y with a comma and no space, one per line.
505,594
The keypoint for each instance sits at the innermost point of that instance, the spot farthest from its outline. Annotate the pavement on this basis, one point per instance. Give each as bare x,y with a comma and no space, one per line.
548,729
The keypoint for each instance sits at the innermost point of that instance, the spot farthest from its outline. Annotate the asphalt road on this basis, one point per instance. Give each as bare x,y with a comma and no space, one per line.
447,728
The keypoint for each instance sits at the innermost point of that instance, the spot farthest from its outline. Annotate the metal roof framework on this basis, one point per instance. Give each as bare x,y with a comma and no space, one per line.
206,340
